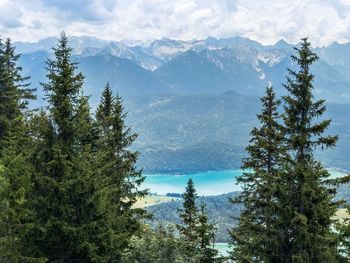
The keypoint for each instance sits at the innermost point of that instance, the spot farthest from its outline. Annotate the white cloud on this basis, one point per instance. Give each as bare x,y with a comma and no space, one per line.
10,15
267,21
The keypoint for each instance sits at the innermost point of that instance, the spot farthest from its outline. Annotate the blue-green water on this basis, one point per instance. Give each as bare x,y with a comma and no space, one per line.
206,183
222,248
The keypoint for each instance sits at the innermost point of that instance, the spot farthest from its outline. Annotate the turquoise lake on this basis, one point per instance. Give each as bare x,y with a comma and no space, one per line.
206,183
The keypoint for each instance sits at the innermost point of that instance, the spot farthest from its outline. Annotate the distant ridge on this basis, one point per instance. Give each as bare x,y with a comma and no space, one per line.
194,102
208,66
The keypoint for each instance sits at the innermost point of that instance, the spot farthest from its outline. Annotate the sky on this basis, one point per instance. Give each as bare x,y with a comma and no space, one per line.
266,21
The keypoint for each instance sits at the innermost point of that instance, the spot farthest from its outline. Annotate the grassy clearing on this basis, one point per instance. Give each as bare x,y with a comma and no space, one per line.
154,200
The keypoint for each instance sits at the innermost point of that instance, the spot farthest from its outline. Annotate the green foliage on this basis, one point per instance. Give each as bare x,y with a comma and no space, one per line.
14,188
77,204
220,213
206,237
164,244
254,237
14,157
288,208
155,246
343,228
63,190
117,172
188,213
306,200
196,231
68,181
344,239
14,91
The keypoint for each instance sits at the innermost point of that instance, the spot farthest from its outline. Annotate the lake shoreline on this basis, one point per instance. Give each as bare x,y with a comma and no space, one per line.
208,183
189,171
335,169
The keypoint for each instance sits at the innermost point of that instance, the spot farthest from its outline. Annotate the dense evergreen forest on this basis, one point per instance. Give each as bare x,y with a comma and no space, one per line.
69,180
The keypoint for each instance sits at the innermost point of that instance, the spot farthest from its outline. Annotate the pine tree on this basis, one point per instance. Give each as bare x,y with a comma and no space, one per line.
306,219
160,245
14,156
205,233
254,238
15,214
66,198
86,132
15,179
188,216
14,91
117,171
105,109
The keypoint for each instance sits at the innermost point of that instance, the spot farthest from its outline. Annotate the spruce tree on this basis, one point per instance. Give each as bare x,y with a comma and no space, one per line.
306,218
188,216
14,156
15,186
116,164
205,233
69,211
254,238
159,245
14,91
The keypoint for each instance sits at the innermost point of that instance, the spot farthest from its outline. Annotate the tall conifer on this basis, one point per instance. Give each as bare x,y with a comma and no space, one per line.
306,218
14,91
254,238
289,218
69,214
14,155
189,217
116,164
205,232
196,233
188,213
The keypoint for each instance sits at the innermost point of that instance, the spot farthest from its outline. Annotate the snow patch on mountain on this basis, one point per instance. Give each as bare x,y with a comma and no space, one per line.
160,102
262,76
271,57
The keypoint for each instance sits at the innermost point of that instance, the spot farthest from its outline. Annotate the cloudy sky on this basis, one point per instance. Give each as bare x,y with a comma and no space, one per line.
267,21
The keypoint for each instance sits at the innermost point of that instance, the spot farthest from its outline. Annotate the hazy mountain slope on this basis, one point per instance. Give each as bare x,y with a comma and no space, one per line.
33,64
190,73
191,133
176,93
209,66
210,132
165,49
124,76
339,156
46,44
336,54
187,120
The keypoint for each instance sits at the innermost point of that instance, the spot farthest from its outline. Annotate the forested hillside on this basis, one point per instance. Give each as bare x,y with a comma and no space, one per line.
220,211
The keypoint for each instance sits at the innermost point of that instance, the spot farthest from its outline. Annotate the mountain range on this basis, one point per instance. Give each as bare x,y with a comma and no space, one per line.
194,102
